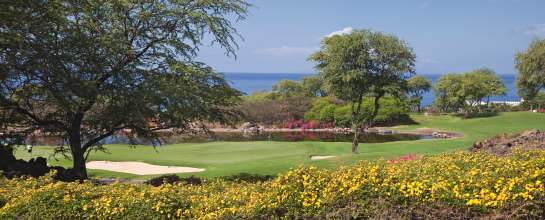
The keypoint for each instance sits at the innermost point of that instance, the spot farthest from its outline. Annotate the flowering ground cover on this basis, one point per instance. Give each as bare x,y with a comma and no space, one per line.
454,185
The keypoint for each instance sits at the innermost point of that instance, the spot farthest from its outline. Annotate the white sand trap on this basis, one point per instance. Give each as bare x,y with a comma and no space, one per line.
139,168
321,157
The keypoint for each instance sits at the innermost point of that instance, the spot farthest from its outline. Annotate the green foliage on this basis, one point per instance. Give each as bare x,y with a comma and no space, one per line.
364,64
313,86
531,70
287,88
392,111
537,102
327,114
343,116
416,87
447,92
466,91
258,96
318,105
309,86
103,66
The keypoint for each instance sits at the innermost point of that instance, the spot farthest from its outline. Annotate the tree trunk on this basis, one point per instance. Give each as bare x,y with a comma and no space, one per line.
355,141
78,153
79,168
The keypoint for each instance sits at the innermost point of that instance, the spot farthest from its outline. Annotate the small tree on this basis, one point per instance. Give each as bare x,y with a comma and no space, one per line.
417,86
448,95
466,91
85,70
490,85
313,86
363,64
530,65
287,88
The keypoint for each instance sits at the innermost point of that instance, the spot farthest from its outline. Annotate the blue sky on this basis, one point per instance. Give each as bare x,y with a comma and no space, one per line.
446,35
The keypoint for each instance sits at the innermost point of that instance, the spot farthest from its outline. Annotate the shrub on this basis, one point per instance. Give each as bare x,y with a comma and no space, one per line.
248,177
327,114
275,112
343,117
316,107
172,179
392,111
312,124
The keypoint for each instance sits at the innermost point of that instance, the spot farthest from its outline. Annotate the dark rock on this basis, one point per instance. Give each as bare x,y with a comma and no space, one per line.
35,167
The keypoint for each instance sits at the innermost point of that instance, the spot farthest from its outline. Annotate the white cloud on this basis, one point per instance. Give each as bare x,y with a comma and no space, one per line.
535,30
346,30
286,51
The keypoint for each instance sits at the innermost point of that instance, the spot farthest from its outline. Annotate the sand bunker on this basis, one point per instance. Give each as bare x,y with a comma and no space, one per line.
139,168
321,157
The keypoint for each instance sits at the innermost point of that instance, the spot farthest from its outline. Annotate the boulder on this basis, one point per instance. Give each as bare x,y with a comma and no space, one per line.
249,127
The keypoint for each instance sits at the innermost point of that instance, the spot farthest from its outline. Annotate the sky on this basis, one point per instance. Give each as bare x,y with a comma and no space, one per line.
446,35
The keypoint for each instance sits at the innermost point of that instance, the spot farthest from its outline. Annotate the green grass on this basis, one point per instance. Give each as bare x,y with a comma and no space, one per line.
226,158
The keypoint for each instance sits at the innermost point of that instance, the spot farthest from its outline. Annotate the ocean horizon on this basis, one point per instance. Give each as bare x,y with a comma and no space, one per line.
256,82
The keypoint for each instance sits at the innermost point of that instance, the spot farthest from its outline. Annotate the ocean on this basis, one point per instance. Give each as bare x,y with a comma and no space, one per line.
255,82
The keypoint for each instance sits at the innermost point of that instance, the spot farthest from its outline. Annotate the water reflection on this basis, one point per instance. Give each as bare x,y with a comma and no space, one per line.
263,136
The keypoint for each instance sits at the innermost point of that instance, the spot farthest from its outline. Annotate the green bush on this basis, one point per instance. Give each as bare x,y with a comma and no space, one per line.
343,116
391,111
327,114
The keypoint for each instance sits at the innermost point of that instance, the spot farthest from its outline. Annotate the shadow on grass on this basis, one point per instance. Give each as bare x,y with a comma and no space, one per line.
193,180
471,115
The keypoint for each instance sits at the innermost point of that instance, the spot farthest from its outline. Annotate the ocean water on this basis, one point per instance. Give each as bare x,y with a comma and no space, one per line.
255,82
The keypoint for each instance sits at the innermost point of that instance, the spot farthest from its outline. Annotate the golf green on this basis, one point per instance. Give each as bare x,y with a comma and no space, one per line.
269,158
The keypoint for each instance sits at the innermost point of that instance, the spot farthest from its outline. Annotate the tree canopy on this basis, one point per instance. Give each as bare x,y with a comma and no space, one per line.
313,86
530,65
417,86
287,88
364,64
85,70
467,91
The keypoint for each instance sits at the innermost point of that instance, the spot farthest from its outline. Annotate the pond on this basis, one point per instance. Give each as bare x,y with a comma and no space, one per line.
292,136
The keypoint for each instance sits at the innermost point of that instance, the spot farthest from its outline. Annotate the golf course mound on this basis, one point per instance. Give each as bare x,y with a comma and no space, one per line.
504,143
140,168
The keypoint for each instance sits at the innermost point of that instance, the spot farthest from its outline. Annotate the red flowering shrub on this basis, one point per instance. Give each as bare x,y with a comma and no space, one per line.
312,124
407,157
294,124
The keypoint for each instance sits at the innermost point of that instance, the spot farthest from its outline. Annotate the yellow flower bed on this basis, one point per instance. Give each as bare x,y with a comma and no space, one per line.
478,182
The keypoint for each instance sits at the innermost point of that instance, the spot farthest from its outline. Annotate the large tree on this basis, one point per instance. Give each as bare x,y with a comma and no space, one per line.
84,70
530,65
417,86
364,64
